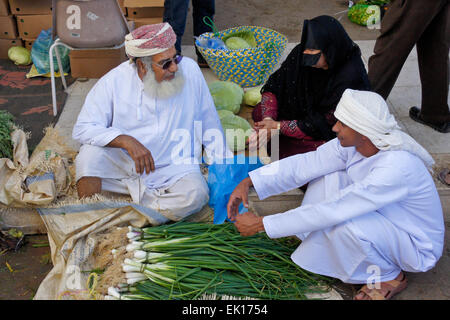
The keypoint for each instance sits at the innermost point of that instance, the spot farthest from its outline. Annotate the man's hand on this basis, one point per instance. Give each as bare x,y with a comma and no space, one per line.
249,224
141,156
240,194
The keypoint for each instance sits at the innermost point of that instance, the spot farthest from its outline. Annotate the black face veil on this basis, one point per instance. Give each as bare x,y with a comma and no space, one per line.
299,88
310,60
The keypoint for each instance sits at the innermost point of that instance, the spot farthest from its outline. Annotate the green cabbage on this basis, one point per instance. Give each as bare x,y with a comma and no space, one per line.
19,55
236,129
227,95
248,36
224,113
235,43
253,96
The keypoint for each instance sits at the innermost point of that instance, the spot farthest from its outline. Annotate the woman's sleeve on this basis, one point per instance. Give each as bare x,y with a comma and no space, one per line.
291,129
269,108
269,105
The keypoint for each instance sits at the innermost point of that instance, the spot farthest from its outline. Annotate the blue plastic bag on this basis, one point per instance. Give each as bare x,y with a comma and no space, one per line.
223,179
40,55
210,43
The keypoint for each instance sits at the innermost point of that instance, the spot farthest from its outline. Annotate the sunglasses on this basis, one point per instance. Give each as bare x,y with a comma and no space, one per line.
167,63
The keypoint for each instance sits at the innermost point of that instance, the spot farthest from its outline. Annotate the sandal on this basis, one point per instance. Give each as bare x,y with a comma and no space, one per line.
392,287
414,113
442,175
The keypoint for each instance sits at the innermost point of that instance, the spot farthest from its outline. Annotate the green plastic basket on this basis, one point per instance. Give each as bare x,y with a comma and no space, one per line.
246,67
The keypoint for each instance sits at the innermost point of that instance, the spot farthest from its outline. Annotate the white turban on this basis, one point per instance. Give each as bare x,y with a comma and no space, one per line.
367,113
150,40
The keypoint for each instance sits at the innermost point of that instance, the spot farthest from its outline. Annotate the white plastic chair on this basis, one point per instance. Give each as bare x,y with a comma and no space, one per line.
75,18
61,71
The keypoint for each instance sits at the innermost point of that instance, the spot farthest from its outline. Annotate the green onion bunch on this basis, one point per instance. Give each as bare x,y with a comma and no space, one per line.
186,260
6,127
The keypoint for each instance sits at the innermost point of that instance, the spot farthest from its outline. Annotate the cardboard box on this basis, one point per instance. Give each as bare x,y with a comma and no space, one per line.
30,6
4,8
95,63
148,12
143,3
8,28
28,43
5,44
144,21
121,5
30,26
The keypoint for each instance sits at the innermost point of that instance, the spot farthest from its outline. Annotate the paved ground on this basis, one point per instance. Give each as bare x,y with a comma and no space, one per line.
285,16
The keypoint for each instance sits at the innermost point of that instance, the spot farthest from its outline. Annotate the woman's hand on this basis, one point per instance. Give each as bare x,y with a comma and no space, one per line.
267,123
263,132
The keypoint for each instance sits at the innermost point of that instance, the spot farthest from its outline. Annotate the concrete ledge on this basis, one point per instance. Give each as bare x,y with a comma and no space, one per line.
275,204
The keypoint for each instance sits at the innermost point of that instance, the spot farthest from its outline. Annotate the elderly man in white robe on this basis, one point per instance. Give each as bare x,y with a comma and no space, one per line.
142,128
371,209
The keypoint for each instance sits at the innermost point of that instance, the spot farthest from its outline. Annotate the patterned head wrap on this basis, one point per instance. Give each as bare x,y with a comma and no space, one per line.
150,40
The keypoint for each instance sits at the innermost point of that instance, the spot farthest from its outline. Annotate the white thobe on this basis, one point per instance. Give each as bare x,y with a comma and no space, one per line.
363,219
173,129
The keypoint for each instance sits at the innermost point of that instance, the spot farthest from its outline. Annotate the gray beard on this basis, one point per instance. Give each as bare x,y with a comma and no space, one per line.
164,89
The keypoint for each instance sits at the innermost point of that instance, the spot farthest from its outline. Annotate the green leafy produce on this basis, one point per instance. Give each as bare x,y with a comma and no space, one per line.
224,113
15,233
364,14
237,131
187,260
253,96
19,55
247,36
235,43
6,127
227,95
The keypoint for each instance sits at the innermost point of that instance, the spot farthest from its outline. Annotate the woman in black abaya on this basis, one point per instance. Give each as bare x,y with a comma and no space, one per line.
300,97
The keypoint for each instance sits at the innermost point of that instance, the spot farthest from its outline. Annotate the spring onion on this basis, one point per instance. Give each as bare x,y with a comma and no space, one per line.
186,260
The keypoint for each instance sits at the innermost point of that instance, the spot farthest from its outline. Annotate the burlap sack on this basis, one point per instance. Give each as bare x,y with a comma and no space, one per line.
35,182
74,233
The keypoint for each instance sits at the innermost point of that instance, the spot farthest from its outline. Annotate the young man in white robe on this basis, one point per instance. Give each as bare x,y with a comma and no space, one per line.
371,209
143,125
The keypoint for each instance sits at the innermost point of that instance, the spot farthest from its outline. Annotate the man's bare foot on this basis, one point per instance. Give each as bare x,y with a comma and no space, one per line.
88,186
386,289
